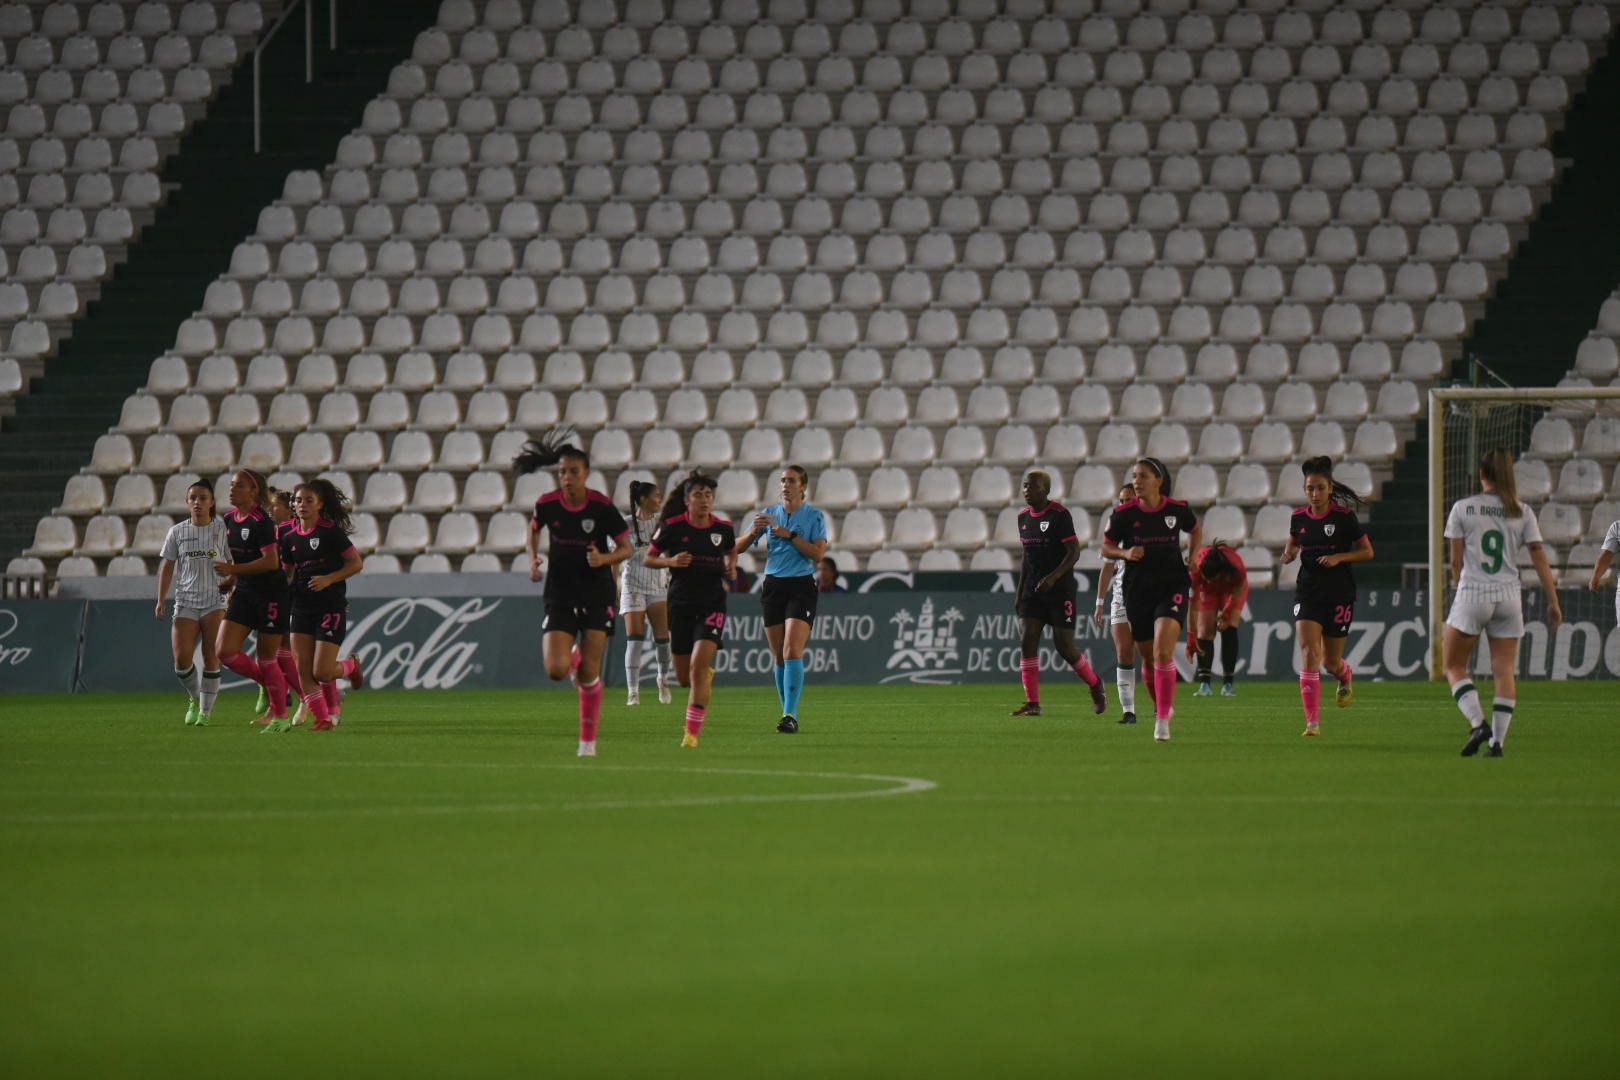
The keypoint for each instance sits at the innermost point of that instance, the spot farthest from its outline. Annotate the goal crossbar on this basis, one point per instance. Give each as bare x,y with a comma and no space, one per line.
1438,398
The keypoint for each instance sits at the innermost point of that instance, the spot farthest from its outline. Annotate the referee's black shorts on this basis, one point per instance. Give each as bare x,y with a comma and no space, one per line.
789,598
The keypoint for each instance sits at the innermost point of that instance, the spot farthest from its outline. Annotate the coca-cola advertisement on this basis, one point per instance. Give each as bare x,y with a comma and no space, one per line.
919,636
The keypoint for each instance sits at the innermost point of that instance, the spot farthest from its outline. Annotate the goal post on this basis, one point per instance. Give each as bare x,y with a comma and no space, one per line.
1486,417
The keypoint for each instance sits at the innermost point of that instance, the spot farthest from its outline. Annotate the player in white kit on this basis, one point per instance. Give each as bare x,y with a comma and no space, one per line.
1487,533
1610,552
644,597
190,554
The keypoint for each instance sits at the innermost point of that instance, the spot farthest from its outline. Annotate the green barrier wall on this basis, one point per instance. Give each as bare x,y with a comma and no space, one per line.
430,643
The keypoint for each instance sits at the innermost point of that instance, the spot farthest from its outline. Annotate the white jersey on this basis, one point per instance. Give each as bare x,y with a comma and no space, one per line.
640,584
1611,543
1492,542
194,549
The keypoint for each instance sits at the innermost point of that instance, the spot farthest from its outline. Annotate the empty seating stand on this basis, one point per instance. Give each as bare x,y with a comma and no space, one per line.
916,247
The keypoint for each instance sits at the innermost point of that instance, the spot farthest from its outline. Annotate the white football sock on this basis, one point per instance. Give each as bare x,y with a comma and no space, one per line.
632,662
209,691
1467,699
1501,718
1125,680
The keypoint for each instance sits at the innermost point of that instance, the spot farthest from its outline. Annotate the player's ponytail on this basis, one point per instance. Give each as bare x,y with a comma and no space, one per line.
1343,496
639,489
334,504
1496,468
547,450
675,501
1160,470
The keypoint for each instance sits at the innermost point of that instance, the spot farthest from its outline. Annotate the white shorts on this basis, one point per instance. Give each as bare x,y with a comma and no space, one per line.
1116,609
186,611
640,586
1498,612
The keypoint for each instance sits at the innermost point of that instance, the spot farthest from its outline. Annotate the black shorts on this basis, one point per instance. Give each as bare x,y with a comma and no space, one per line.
689,624
789,598
574,617
262,611
321,623
1334,616
1144,611
1056,607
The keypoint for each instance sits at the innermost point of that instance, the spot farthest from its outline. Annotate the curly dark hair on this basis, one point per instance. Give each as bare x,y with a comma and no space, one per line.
334,504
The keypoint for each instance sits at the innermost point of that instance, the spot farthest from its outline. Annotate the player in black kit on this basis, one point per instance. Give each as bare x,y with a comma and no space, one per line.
1047,593
320,557
1326,537
258,589
1146,533
588,538
698,549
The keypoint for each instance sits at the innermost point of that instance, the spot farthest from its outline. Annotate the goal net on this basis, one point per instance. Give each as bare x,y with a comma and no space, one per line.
1566,442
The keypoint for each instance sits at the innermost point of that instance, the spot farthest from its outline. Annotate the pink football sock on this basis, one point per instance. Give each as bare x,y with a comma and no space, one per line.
1150,679
1029,671
590,710
1082,668
1164,697
1345,676
275,687
329,691
289,671
348,665
315,702
245,666
1310,695
694,718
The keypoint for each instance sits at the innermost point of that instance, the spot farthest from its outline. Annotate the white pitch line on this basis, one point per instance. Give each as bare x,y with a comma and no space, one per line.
1294,800
899,785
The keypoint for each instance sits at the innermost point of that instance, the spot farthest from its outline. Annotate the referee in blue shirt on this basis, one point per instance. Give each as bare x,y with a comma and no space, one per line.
798,539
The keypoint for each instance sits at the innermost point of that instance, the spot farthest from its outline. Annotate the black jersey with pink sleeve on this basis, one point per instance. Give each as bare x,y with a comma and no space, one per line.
1332,533
574,530
311,552
1158,533
251,534
703,583
1045,535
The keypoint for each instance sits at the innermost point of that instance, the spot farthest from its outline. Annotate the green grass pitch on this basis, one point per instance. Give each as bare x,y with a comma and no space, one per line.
916,885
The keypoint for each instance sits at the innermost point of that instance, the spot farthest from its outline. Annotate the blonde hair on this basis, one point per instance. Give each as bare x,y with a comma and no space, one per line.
1497,468
1044,476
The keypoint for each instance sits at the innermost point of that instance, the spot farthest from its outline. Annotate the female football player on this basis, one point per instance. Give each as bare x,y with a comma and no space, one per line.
1326,537
1111,606
258,590
1487,532
1220,590
1047,592
190,553
699,551
588,538
644,596
1146,533
320,558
